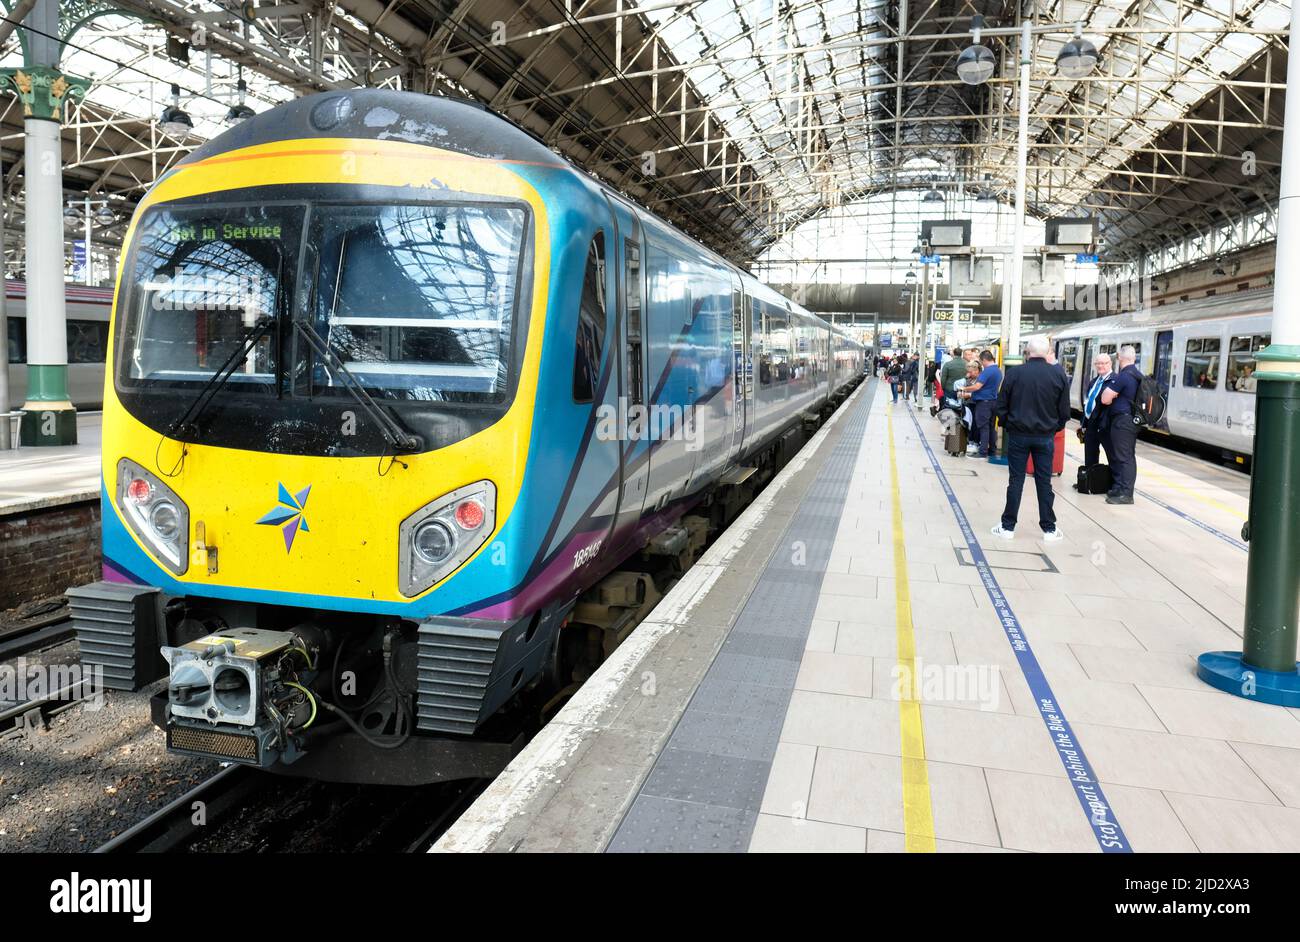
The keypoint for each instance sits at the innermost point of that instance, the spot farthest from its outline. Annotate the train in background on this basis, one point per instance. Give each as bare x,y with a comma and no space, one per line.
408,422
87,326
1201,352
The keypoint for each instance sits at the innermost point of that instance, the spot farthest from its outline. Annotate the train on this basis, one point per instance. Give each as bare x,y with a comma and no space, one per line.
87,329
407,422
1202,354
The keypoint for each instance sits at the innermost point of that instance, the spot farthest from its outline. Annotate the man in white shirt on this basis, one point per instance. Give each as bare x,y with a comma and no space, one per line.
1095,430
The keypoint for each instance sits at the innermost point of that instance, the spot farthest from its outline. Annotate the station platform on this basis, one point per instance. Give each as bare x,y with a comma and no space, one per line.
37,478
764,705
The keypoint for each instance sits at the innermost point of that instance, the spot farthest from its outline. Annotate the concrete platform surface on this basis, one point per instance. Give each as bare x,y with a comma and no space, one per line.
859,666
32,478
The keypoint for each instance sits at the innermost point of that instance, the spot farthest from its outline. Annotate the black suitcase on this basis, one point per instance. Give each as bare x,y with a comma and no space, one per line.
1093,479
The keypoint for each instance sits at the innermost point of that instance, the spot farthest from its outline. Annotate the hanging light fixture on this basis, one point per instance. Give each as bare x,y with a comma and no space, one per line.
932,195
104,215
174,121
976,64
239,111
71,214
1077,58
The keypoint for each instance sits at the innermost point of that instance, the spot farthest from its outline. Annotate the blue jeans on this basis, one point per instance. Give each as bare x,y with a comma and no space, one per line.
1019,450
894,387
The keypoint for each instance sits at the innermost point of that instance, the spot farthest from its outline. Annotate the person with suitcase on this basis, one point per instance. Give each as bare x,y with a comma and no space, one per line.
1094,477
1034,405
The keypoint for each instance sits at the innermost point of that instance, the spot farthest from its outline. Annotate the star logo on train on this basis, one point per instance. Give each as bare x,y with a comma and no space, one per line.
288,514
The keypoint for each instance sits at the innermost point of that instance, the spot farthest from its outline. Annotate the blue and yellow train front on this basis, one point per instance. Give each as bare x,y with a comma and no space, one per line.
325,359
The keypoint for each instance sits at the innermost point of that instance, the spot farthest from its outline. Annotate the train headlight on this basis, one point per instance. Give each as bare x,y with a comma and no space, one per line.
165,520
155,514
434,542
438,537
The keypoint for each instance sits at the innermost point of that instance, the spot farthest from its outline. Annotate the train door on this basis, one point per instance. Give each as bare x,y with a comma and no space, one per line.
1162,368
741,380
630,301
1086,371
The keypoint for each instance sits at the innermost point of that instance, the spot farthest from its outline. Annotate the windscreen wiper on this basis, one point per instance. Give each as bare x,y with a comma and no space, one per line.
402,440
187,420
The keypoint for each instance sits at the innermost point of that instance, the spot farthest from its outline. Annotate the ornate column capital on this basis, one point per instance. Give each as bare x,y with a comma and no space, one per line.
44,91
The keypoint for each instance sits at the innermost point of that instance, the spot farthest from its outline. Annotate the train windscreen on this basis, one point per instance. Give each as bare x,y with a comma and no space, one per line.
202,280
417,301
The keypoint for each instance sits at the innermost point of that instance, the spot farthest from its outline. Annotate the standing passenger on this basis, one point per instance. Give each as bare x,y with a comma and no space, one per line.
1034,405
953,369
894,373
1095,431
983,394
1119,398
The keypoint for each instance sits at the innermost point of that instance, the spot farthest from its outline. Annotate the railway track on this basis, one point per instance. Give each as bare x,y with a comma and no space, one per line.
34,634
172,826
248,811
37,712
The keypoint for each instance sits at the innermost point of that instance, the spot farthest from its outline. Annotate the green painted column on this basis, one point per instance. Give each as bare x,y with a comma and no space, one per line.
48,414
1265,669
1272,592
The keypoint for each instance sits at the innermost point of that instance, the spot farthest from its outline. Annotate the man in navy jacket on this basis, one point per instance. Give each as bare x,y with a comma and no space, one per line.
1033,405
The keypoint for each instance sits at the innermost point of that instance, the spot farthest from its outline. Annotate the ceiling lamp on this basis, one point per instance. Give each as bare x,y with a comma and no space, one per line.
174,121
932,195
105,216
1077,58
71,214
239,111
976,64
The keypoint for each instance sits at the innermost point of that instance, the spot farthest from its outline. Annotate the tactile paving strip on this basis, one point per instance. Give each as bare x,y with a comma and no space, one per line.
704,791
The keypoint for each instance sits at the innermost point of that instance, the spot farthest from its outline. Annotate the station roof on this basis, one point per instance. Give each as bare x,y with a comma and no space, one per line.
738,120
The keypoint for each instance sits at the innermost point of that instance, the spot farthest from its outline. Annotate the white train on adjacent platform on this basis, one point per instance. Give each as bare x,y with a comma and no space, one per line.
1201,352
87,326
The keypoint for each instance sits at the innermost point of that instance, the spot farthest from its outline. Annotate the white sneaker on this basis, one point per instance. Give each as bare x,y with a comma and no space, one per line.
972,450
1004,534
1053,536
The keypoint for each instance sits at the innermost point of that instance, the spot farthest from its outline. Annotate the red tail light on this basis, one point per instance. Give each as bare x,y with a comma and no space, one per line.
469,515
139,490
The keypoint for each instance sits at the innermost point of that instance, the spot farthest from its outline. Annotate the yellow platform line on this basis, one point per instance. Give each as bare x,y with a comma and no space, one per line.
1160,479
1200,498
918,815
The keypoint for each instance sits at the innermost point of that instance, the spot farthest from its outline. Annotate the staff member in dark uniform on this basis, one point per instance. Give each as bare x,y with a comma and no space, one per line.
1118,398
1033,404
1095,431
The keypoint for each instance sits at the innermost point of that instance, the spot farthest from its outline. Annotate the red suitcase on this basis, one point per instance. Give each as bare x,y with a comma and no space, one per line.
1058,456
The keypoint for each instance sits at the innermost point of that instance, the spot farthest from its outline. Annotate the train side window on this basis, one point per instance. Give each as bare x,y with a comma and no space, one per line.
632,253
87,341
17,340
778,345
591,323
1241,361
1201,363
